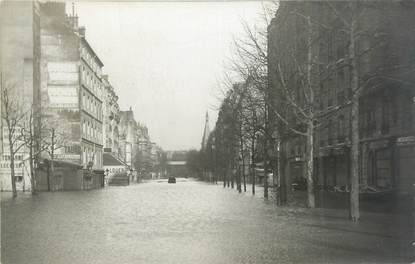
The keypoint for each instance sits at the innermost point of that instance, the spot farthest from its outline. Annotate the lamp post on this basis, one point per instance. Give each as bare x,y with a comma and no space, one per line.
275,156
215,179
106,177
241,172
281,164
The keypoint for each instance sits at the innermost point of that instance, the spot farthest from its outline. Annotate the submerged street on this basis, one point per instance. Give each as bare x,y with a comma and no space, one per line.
189,222
301,112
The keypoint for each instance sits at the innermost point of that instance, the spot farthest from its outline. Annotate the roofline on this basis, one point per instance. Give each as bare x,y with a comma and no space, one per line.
83,39
119,160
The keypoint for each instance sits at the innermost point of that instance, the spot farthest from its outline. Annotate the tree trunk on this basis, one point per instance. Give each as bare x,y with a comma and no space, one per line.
265,172
253,173
48,177
310,165
232,175
310,124
253,178
266,155
253,166
281,174
265,169
241,142
354,150
354,163
224,177
52,157
32,142
52,175
52,166
243,171
239,177
227,177
12,172
32,174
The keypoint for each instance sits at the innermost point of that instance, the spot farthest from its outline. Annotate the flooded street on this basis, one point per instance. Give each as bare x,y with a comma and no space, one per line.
186,222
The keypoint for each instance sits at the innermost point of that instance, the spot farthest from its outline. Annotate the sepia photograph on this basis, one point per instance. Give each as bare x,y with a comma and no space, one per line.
207,131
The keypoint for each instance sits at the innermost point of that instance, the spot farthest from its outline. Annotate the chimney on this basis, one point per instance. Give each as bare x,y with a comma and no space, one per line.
81,31
75,22
74,18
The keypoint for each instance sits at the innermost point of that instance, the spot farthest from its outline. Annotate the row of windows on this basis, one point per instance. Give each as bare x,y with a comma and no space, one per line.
92,131
16,157
378,116
111,129
89,154
91,81
389,112
90,60
74,149
93,106
330,96
8,165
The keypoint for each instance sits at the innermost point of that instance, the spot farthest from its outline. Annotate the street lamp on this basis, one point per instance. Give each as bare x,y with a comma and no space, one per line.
107,172
275,152
241,166
215,179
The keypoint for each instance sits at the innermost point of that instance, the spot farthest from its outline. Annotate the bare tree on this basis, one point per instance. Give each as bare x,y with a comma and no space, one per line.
34,142
54,139
249,65
12,114
295,68
360,34
351,17
28,137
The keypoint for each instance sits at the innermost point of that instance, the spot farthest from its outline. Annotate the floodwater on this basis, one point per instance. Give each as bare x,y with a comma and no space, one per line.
186,222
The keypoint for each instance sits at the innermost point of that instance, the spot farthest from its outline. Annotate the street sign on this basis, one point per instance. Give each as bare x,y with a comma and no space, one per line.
405,140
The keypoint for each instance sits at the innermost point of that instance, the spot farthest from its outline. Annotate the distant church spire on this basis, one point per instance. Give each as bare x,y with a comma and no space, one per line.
206,132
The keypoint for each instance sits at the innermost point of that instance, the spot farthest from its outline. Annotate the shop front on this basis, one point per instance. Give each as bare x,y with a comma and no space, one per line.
405,164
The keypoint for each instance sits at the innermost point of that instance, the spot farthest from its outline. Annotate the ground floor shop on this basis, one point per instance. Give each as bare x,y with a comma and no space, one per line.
385,164
91,154
390,163
67,176
21,172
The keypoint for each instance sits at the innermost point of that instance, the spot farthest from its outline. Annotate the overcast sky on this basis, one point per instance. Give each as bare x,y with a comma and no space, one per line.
164,59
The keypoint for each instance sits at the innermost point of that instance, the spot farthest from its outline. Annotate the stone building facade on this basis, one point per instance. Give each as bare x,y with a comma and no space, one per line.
135,147
91,105
387,105
128,137
111,118
72,87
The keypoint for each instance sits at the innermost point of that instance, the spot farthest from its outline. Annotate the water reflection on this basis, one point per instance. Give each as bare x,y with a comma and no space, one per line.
186,222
